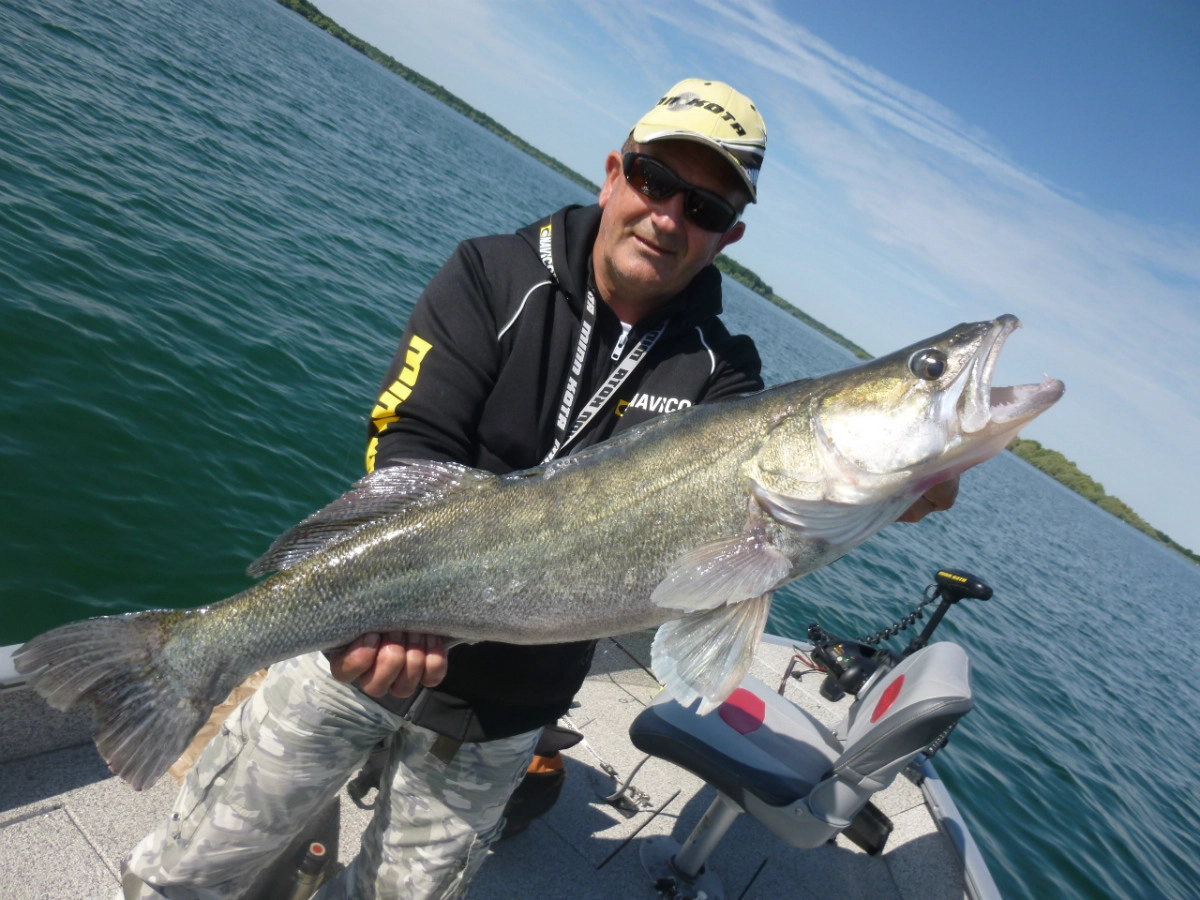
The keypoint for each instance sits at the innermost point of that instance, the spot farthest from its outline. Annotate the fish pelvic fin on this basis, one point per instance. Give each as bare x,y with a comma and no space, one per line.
726,571
120,666
707,654
395,488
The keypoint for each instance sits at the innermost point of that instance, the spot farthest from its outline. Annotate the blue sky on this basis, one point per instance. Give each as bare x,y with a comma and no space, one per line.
928,163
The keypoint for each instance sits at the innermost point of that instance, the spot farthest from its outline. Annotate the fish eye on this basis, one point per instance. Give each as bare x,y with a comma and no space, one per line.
928,364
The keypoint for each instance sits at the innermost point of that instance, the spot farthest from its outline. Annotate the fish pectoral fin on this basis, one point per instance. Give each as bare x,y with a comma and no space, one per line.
839,524
384,492
707,654
726,571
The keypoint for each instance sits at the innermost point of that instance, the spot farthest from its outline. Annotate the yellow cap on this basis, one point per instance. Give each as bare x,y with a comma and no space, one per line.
714,114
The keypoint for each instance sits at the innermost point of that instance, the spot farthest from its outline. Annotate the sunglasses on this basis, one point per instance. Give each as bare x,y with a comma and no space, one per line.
658,181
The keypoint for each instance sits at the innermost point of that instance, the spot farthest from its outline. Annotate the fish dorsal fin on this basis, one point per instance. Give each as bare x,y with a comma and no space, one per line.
392,489
843,525
706,654
725,571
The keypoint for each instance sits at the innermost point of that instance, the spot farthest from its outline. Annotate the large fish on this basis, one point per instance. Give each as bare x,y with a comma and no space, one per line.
688,522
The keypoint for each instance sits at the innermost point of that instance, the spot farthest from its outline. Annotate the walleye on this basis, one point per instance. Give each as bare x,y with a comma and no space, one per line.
688,522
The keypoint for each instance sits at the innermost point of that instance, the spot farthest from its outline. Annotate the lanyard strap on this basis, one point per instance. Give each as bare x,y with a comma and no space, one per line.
561,437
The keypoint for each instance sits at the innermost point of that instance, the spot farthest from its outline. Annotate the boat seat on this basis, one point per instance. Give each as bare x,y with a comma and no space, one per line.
756,742
769,758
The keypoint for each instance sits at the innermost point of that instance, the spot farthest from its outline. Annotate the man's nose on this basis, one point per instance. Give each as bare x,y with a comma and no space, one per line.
668,214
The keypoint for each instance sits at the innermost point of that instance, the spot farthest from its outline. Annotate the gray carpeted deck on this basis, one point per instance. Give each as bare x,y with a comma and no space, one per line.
65,823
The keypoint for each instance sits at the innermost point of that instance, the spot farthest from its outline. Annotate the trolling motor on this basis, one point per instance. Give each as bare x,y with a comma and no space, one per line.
773,760
851,664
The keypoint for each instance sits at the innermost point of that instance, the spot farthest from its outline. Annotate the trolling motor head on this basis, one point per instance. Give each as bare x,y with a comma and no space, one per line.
951,585
956,584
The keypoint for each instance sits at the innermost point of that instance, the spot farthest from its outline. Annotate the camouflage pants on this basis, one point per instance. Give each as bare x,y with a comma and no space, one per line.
291,747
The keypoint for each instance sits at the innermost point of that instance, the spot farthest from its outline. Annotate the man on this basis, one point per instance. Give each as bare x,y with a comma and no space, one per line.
522,348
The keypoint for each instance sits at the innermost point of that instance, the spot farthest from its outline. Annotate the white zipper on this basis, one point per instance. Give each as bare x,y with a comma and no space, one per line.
620,347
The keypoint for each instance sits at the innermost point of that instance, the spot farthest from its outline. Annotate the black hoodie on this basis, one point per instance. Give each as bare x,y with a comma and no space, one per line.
479,379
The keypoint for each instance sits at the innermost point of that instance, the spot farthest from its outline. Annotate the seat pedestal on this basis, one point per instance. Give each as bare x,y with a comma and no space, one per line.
679,871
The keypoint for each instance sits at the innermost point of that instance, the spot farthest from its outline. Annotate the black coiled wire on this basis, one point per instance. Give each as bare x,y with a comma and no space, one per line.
932,592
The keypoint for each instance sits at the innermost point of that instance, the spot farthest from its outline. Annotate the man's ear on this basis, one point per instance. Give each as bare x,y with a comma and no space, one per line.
612,172
732,236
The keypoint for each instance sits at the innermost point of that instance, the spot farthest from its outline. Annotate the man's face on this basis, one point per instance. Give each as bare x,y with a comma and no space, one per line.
646,252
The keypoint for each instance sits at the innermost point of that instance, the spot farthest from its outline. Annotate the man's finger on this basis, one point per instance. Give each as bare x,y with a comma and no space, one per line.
942,496
347,665
389,665
435,661
939,497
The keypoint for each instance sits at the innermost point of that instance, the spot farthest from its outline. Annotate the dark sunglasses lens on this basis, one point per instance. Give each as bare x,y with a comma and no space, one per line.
709,211
651,177
659,182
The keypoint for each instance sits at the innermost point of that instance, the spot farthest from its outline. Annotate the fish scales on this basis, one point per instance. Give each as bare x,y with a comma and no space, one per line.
480,566
689,522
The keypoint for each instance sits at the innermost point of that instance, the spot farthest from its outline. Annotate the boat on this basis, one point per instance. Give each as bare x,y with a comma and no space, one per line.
627,823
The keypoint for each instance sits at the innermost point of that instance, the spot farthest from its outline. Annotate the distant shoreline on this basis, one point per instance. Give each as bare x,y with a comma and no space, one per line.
1068,474
1049,461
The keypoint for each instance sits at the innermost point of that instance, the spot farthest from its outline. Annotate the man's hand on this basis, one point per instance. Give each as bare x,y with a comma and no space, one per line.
391,661
937,498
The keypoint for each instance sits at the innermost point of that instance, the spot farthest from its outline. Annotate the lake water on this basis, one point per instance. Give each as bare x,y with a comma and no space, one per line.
214,220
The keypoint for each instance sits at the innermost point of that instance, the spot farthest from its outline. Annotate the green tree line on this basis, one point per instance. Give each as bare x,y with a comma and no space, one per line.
1049,461
742,275
1066,472
456,103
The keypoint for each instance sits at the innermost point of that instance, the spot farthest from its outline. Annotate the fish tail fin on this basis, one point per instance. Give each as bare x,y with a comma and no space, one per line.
706,654
122,667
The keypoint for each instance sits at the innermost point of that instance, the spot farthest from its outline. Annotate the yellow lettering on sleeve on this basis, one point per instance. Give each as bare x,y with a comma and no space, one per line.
385,411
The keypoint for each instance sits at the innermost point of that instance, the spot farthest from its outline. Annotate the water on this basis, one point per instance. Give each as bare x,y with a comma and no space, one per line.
214,220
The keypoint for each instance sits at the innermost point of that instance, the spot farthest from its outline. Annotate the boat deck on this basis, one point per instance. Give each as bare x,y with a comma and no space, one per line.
65,822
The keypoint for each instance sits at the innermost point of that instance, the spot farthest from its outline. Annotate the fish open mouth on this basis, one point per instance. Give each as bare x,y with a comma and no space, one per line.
982,404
